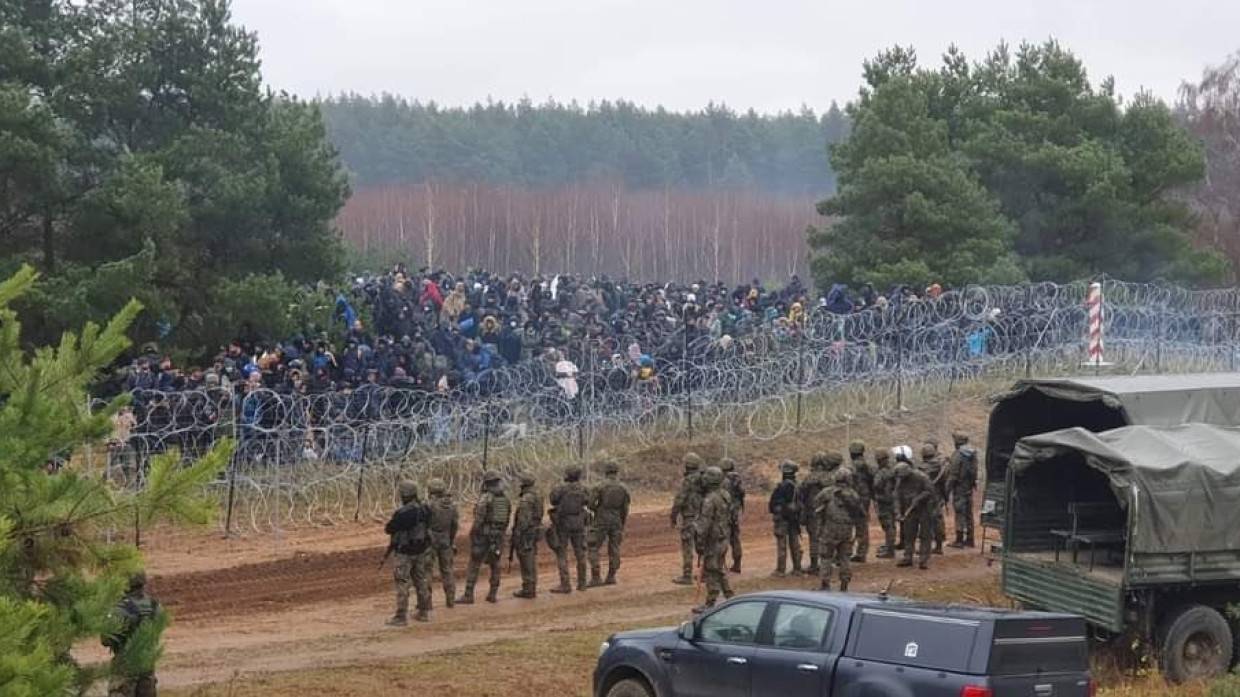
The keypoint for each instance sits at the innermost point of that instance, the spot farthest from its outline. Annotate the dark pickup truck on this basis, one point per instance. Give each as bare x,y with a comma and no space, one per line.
809,644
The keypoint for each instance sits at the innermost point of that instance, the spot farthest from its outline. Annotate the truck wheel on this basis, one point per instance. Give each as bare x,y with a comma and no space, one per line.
629,688
1194,643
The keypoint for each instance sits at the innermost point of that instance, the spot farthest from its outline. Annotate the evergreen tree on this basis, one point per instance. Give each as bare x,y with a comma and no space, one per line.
58,579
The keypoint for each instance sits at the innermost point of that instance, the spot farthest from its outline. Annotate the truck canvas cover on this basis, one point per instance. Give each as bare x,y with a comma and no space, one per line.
1184,479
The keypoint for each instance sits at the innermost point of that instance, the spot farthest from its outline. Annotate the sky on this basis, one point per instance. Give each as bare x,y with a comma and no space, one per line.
769,55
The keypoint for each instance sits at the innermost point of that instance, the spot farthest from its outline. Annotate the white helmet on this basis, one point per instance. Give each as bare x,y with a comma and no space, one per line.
902,453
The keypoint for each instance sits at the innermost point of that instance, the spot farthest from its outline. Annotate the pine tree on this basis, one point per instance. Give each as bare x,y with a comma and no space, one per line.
58,579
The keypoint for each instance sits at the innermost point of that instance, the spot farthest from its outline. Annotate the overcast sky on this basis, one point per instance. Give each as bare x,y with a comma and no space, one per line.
765,54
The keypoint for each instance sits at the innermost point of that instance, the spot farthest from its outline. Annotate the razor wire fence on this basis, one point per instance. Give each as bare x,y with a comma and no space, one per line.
335,457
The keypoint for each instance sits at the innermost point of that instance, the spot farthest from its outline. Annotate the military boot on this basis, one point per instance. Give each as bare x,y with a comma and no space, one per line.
596,578
959,543
493,596
524,593
885,552
904,563
449,601
857,559
398,621
683,580
467,598
611,578
422,616
844,585
824,585
564,587
922,565
968,540
704,607
582,585
938,547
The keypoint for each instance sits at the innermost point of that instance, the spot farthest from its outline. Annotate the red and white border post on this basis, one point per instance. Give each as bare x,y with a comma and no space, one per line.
1093,338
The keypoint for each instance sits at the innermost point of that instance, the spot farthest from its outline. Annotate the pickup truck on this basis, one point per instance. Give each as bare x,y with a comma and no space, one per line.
811,644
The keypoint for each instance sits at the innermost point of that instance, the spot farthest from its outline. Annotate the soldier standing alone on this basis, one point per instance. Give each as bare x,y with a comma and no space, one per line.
685,510
785,516
134,609
807,490
526,527
486,537
736,491
961,480
568,515
712,534
410,532
863,484
884,502
609,502
836,507
445,523
914,498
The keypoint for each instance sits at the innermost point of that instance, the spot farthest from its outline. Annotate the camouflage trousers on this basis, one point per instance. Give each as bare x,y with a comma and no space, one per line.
861,530
835,548
576,541
526,547
412,571
688,548
887,520
605,534
443,558
487,549
132,686
938,520
735,539
713,575
787,545
811,536
963,507
919,529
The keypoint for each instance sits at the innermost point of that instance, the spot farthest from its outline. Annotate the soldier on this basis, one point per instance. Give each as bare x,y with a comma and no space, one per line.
786,518
445,522
712,534
134,608
410,541
933,466
568,515
526,528
884,502
685,511
609,506
961,480
837,507
486,537
913,499
809,487
863,484
736,491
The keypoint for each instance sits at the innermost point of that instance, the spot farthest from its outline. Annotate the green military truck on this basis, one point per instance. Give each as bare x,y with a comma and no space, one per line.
1137,529
1098,404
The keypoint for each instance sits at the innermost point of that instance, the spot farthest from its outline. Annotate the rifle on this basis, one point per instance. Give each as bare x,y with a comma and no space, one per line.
512,550
391,546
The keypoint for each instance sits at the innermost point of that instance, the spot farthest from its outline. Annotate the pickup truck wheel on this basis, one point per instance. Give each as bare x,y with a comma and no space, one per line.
1195,643
629,688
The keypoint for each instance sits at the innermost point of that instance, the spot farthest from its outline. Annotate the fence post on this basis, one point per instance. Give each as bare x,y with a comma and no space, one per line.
800,373
486,435
137,527
361,474
232,492
899,369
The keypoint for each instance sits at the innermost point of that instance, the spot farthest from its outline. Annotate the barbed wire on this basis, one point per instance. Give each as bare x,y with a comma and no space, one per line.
325,458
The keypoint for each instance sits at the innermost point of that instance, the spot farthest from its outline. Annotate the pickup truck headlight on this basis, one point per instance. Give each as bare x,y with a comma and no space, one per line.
602,648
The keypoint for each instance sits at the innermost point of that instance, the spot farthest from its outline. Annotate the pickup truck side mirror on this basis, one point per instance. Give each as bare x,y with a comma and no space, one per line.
687,631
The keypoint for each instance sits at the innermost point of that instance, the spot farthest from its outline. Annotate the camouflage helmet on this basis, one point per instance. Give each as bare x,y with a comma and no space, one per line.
960,438
727,464
692,462
713,476
857,447
843,475
137,580
437,487
818,461
611,467
572,473
834,460
527,479
903,469
490,476
928,450
788,467
882,455
408,490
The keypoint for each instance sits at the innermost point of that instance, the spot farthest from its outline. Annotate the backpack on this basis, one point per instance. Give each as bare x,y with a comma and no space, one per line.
416,539
572,502
614,497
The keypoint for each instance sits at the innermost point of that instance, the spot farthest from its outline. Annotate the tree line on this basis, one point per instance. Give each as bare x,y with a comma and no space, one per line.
385,140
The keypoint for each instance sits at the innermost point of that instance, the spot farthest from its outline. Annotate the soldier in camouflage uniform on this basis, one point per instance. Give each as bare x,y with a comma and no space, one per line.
785,516
814,482
568,515
609,507
914,498
486,538
134,608
961,480
410,545
736,490
526,528
712,530
884,502
837,507
445,523
863,484
935,468
685,510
